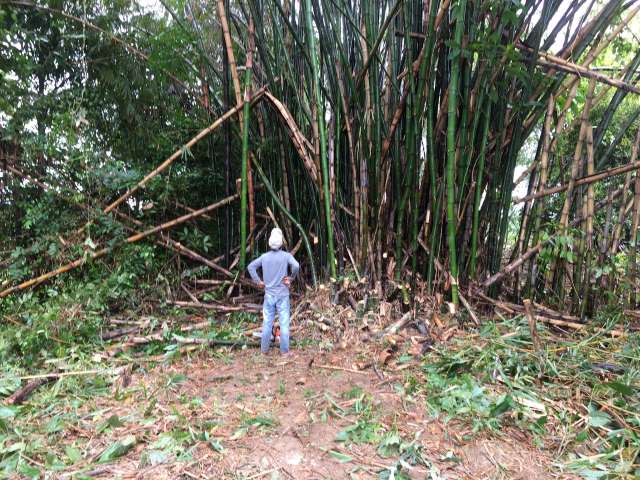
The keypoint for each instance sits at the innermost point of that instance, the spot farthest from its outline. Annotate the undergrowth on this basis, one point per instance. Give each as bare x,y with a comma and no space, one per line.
577,397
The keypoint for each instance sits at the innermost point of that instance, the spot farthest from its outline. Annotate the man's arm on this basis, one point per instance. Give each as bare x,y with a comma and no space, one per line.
253,267
295,266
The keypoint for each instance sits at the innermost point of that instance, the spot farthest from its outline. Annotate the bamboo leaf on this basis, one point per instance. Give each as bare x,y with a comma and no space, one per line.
117,449
341,457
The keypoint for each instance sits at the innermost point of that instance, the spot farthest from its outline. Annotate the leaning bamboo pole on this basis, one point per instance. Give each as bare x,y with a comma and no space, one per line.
634,224
164,241
577,157
178,153
587,180
300,142
104,251
233,67
590,192
548,60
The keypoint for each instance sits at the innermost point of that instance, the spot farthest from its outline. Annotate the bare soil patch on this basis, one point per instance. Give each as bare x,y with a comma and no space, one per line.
242,415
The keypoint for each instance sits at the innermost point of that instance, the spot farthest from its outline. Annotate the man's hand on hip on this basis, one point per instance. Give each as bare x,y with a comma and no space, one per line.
286,281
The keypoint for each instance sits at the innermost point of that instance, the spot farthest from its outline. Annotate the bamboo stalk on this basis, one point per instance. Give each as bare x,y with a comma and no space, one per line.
634,225
533,251
590,193
315,67
451,153
478,189
222,15
299,141
245,156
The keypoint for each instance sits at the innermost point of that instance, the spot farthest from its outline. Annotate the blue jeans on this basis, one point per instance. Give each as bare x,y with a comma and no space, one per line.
269,307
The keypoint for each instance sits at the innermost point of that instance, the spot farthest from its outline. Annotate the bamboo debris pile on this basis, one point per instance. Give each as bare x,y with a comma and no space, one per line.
386,136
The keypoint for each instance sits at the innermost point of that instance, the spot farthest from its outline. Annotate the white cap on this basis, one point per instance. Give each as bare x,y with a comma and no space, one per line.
275,240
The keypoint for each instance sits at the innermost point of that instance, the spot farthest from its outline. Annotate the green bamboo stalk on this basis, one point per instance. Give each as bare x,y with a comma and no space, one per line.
452,222
478,192
315,70
245,160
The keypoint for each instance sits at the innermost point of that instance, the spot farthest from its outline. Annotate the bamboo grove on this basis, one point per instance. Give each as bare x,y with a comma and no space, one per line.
383,136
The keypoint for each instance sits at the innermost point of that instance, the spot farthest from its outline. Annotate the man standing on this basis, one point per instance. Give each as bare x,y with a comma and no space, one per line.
275,281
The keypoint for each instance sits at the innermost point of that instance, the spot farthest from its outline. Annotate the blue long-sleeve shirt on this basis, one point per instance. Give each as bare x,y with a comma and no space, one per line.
275,266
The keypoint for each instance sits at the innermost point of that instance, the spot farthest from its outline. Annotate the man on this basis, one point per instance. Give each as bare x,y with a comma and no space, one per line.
275,281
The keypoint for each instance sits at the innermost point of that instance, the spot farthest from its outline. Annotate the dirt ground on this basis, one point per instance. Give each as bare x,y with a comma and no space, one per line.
242,415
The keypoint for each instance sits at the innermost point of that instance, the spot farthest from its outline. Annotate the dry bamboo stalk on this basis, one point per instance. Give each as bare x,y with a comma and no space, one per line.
247,98
597,50
285,190
621,217
590,193
542,178
166,242
577,156
562,323
548,60
575,166
589,179
634,223
230,55
104,251
298,139
636,197
178,153
213,306
578,326
513,266
564,54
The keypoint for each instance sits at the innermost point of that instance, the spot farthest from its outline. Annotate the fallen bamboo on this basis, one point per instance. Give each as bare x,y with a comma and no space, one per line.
132,239
153,337
120,332
214,342
300,142
397,326
578,326
165,241
521,310
537,309
25,392
213,306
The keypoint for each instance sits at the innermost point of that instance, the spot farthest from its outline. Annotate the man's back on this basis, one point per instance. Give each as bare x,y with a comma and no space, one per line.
275,266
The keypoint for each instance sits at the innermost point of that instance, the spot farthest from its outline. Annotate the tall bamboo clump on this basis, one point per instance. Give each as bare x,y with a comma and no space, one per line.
390,132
